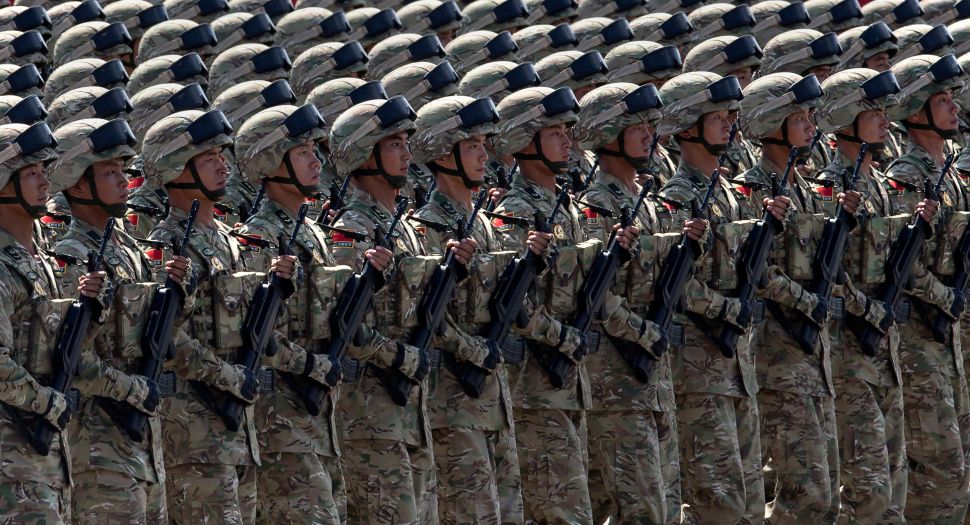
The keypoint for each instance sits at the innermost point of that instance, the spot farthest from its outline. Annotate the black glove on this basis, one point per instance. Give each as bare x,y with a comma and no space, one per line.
494,354
250,386
150,404
959,303
821,311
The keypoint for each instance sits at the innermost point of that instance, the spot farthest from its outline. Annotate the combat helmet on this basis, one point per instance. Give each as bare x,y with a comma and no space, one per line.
961,37
472,49
22,80
69,14
247,62
833,15
493,15
201,11
724,55
862,43
80,145
181,69
606,112
539,41
243,28
333,97
177,37
777,16
421,82
799,51
497,80
369,25
938,12
895,13
614,8
441,126
527,111
245,99
136,15
307,27
690,96
25,18
921,77
431,16
601,34
962,96
171,143
771,99
663,28
99,39
152,104
21,48
357,132
276,9
402,49
921,39
88,102
642,62
324,62
21,146
85,72
579,71
17,110
721,19
850,92
551,11
263,141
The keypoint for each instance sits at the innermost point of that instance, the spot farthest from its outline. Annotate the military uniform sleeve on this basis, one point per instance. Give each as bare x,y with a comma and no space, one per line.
195,362
350,239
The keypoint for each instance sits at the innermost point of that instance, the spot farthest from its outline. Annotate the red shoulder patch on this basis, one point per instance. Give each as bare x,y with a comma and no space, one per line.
133,219
670,206
154,256
60,267
341,239
744,190
824,192
136,182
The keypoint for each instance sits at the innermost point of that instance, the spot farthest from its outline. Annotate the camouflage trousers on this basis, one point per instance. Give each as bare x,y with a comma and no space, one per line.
801,453
30,503
938,447
634,467
720,458
104,496
553,460
478,476
872,452
300,488
211,494
389,482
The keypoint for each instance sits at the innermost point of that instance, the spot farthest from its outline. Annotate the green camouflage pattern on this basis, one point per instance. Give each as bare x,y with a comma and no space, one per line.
477,15
699,58
390,53
819,12
149,105
550,67
907,37
587,32
707,22
759,124
164,39
882,10
591,133
71,163
310,68
298,30
960,30
9,133
76,43
72,75
161,167
647,28
10,12
911,102
61,19
768,26
674,118
74,105
189,10
330,98
486,80
6,38
255,7
201,493
510,141
357,18
777,53
629,53
126,12
465,52
409,82
533,44
539,15
834,114
854,51
390,482
414,16
298,487
100,494
347,156
235,65
8,69
255,158
429,142
241,101
228,29
158,71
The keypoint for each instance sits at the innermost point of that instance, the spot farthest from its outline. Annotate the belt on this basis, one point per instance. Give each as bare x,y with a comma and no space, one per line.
351,370
513,350
267,380
166,384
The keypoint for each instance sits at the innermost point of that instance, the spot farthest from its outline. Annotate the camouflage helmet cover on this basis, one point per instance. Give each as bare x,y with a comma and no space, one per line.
235,28
844,99
395,50
594,8
767,103
539,13
300,30
37,54
316,65
963,96
895,13
84,72
411,82
165,38
195,10
687,99
555,70
711,20
153,103
364,26
961,36
127,12
918,85
625,65
603,117
12,17
75,153
535,42
652,28
240,63
524,117
160,70
791,51
488,80
12,158
468,50
80,41
415,16
910,40
484,14
245,99
357,130
709,56
855,52
66,14
263,141
276,9
168,147
31,80
80,103
439,128
833,15
330,98
770,15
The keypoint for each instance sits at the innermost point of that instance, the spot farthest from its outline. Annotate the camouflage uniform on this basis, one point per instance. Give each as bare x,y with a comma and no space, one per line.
211,468
717,411
937,408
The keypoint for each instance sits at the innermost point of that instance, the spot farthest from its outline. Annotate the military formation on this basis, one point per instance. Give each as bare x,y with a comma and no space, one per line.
486,262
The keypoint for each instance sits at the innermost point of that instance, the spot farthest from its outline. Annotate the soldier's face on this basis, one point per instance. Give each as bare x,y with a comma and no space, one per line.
446,36
211,167
944,110
33,184
801,129
555,143
744,75
306,164
636,140
395,154
581,92
717,127
873,126
473,158
110,181
880,62
821,72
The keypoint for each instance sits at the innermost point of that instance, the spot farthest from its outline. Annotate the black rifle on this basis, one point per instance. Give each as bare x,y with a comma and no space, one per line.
754,259
67,353
355,301
421,197
519,276
156,337
501,181
257,202
336,201
259,325
942,323
678,267
440,291
899,267
828,260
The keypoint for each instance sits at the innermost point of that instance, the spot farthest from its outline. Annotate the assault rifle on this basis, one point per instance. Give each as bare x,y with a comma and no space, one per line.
942,323
338,194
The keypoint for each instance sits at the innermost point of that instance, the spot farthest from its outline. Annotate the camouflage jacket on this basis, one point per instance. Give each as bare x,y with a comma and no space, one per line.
365,409
613,385
193,432
281,419
869,241
781,363
919,351
448,405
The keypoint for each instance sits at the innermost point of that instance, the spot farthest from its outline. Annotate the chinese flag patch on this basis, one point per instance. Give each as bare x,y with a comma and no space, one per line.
136,183
154,256
898,186
591,216
133,219
341,240
61,266
743,190
824,192
52,222
500,224
250,242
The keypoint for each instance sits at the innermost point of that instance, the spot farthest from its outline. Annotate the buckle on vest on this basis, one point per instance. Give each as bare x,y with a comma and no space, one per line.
676,335
435,358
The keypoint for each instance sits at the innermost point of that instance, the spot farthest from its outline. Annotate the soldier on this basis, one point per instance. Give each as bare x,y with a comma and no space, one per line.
247,62
872,46
179,37
402,49
386,447
477,463
937,409
634,473
100,39
869,402
84,72
550,420
797,397
300,478
211,469
35,488
717,412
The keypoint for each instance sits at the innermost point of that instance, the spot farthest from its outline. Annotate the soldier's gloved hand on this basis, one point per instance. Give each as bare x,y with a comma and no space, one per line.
813,306
58,411
821,311
959,303
736,312
412,362
144,395
879,314
480,352
572,343
245,385
320,369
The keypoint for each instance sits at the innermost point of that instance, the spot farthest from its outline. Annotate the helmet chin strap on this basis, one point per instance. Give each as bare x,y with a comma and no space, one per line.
557,168
460,172
396,181
113,210
196,184
638,163
714,149
931,125
876,149
34,211
803,151
291,178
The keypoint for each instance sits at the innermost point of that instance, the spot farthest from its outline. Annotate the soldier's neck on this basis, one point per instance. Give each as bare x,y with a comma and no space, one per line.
18,224
696,156
285,196
621,169
378,189
537,173
778,157
184,203
455,189
93,215
851,150
930,141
